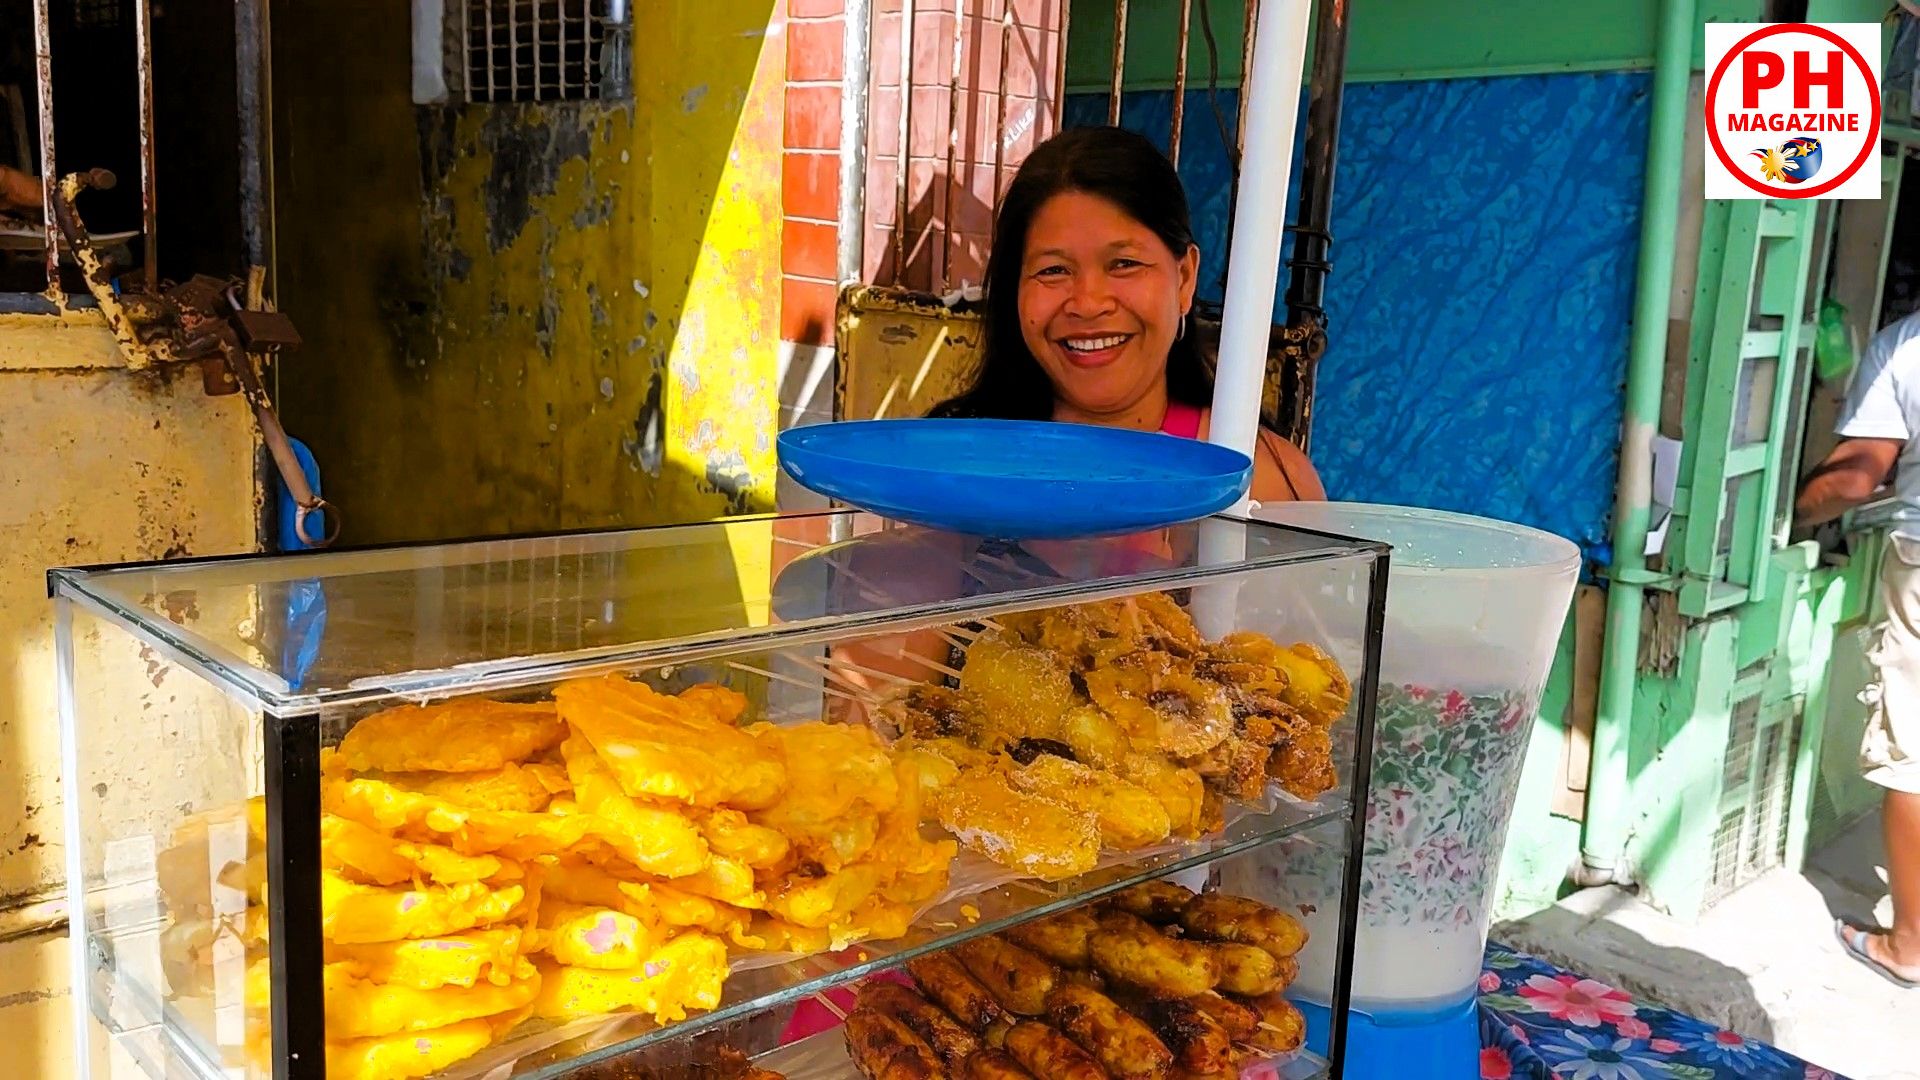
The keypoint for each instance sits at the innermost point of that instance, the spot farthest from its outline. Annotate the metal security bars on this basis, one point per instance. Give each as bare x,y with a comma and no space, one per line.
532,50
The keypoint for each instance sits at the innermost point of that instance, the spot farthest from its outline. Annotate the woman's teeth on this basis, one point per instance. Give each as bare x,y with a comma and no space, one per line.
1095,344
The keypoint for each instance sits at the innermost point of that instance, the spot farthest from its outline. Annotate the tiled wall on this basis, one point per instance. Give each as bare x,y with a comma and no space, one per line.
949,211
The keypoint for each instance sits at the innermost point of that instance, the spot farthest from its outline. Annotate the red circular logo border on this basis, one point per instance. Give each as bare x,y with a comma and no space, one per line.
1713,86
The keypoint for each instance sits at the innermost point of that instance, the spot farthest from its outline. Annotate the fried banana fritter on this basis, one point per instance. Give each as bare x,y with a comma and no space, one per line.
1162,704
466,735
1158,902
466,959
1020,691
667,747
950,1040
656,838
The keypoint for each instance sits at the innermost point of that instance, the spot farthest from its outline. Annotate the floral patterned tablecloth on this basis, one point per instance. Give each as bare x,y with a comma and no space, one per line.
1540,1023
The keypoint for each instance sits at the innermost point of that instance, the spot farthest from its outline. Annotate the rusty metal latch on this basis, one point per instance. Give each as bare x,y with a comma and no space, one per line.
202,319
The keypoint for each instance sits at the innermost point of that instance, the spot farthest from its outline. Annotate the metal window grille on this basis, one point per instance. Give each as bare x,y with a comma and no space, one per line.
1756,780
532,50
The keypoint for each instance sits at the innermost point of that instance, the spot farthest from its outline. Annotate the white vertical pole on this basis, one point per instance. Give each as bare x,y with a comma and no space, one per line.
1272,106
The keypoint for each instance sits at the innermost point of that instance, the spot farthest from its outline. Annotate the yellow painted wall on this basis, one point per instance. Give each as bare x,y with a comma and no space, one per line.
97,464
529,317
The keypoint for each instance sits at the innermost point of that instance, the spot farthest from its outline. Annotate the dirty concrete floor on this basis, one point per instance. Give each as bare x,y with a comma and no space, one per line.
1763,962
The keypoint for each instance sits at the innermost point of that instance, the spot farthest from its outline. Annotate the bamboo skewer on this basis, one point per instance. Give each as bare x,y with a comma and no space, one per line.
790,680
930,663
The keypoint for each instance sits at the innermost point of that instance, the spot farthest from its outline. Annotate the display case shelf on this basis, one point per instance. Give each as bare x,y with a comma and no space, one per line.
824,1057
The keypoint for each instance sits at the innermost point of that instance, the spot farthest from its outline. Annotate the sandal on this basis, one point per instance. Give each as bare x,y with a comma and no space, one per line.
1854,941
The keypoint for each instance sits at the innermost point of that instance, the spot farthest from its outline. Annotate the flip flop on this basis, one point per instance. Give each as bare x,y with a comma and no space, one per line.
1854,941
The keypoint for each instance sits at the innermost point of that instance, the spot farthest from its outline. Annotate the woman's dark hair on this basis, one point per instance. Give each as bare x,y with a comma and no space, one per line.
1121,167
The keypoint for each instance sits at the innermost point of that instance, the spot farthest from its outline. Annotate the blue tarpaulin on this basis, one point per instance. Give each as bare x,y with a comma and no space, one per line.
1485,233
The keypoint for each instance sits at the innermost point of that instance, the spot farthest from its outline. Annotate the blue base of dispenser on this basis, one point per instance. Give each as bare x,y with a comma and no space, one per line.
1432,1044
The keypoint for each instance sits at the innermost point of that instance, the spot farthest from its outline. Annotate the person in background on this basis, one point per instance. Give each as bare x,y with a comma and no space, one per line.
1878,446
1090,286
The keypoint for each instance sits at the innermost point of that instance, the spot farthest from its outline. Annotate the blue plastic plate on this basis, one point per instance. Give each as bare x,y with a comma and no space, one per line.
1015,479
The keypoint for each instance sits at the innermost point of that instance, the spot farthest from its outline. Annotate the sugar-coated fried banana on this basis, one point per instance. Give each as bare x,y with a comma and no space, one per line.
1199,1041
1126,1047
466,735
1038,836
1248,970
1282,1029
1236,768
1021,691
950,1041
1095,738
1218,917
1017,979
883,1048
1129,816
1240,1021
1133,952
358,1009
666,747
947,981
724,705
994,1065
1179,789
1060,937
1303,763
1314,682
1050,1055
1158,902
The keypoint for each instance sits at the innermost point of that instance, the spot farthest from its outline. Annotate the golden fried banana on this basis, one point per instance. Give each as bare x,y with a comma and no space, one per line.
1247,970
1060,937
1282,1030
1127,1048
944,979
658,839
1239,1021
406,1055
1158,902
1050,1055
883,1048
1017,979
1200,1042
950,1041
466,735
994,1065
1133,952
454,960
1218,917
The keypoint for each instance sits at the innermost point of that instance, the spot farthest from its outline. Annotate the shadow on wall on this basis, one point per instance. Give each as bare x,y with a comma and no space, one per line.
531,316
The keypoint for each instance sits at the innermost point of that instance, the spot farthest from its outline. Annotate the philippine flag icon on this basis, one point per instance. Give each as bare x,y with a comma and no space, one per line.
1795,161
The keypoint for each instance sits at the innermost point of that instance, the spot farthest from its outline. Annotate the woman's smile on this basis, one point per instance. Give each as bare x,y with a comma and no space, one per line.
1094,350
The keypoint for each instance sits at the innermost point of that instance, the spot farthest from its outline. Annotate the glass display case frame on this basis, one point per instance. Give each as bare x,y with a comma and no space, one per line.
293,644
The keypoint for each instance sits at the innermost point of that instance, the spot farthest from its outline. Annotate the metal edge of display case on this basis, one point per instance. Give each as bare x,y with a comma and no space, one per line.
519,672
296,948
1359,790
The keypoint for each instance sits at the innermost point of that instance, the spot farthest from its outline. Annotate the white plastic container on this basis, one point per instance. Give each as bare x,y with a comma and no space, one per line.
1474,612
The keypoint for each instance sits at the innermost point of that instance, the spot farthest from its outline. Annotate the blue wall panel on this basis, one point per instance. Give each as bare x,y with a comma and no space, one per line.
1485,233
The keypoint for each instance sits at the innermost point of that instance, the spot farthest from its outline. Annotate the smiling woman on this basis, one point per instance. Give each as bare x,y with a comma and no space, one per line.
1089,288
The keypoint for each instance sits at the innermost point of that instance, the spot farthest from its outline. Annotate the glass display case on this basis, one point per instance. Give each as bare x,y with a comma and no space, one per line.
649,799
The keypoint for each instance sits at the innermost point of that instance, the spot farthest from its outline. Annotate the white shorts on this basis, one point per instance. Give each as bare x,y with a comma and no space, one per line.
1890,752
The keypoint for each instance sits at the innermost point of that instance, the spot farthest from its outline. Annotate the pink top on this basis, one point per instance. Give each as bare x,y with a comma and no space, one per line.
1182,420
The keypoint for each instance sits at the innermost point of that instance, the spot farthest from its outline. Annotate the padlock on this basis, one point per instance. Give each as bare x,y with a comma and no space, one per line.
265,331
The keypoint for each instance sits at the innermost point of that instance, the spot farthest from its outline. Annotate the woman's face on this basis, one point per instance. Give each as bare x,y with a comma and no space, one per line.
1101,298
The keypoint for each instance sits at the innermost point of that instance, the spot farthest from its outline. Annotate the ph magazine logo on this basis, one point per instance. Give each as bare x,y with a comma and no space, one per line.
1793,110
